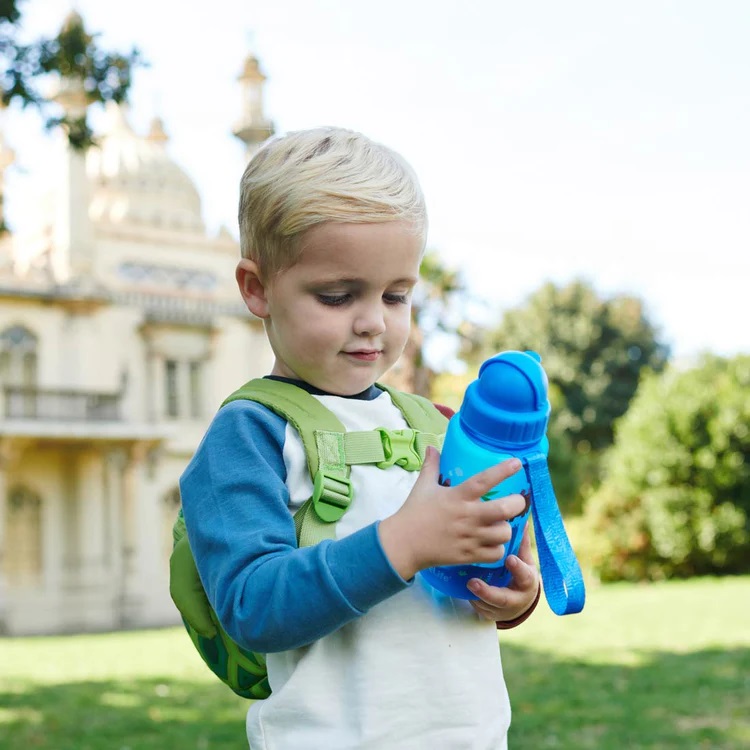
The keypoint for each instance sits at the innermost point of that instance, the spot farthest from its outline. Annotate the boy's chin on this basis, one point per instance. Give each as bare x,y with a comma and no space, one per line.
352,390
346,386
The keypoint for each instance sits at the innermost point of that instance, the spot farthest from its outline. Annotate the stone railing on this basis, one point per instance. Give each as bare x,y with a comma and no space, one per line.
60,405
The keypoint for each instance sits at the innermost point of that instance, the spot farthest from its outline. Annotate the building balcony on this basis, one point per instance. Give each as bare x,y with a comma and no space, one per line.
60,405
48,414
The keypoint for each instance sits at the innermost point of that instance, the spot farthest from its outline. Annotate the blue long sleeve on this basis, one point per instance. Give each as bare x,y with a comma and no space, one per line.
268,594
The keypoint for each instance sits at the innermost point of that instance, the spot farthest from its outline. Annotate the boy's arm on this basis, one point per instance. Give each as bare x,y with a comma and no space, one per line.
268,594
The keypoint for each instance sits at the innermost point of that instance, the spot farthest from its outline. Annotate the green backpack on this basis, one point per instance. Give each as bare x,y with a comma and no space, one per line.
330,451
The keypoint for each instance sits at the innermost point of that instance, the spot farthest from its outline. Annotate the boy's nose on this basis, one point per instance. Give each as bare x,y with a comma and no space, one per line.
370,321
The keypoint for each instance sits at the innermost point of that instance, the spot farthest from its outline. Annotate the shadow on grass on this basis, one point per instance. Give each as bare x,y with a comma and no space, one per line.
666,700
663,700
140,714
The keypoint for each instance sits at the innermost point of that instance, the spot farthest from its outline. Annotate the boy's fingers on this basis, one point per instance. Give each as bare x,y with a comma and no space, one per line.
431,465
524,575
481,483
494,534
500,598
524,549
502,509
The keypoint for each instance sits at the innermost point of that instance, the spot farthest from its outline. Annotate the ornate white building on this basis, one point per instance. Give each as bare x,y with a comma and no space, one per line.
121,330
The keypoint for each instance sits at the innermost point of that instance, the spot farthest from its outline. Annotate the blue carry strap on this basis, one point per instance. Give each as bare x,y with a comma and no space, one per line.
561,574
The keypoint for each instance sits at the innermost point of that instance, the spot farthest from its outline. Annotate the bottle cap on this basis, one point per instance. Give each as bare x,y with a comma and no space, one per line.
507,405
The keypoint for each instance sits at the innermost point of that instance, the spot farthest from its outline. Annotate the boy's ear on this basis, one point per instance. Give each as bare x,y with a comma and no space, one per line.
252,288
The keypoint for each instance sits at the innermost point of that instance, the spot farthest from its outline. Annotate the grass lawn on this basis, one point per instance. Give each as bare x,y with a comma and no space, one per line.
644,666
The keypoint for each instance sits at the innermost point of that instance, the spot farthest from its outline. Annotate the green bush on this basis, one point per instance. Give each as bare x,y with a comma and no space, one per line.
573,466
675,497
562,459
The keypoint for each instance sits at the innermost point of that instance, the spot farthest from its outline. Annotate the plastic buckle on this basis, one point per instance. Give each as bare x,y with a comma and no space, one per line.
331,496
400,448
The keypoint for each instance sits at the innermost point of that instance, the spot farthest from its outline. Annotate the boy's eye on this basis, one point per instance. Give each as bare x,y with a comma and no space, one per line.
333,299
396,299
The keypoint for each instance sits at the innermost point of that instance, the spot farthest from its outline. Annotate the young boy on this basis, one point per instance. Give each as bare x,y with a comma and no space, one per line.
361,652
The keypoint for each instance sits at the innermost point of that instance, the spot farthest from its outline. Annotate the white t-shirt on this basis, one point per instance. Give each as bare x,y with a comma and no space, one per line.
418,670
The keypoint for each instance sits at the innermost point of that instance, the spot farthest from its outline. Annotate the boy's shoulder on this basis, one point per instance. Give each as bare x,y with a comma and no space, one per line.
247,414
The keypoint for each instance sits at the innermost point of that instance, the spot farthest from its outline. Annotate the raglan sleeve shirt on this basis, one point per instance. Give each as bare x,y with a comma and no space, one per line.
270,595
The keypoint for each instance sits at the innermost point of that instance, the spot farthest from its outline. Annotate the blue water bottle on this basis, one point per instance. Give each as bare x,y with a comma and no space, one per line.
504,414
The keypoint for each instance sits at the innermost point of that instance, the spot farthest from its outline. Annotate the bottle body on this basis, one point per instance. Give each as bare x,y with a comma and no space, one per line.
463,456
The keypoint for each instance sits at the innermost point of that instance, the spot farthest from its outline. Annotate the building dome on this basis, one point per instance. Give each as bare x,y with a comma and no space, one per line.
135,182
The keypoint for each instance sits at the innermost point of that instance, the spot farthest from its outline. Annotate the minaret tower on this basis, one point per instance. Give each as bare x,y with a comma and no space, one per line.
7,259
7,157
253,128
73,240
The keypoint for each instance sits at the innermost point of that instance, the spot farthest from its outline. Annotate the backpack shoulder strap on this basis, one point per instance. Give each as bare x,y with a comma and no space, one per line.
303,411
419,412
322,435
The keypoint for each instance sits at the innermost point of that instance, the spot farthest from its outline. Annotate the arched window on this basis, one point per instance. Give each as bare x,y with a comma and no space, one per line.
171,504
18,348
22,561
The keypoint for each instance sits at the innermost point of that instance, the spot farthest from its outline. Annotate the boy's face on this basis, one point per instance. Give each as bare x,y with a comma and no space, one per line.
340,316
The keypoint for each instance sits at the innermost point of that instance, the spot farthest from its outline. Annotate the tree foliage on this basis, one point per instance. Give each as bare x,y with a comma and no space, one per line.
72,54
593,351
676,498
436,314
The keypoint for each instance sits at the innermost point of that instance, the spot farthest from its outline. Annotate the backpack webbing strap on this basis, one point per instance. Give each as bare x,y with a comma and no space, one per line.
419,412
384,448
303,411
332,493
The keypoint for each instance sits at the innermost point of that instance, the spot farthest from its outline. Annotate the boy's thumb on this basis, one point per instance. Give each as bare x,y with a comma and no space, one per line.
431,464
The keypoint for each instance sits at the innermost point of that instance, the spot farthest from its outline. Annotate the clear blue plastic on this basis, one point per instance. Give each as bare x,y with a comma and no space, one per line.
504,414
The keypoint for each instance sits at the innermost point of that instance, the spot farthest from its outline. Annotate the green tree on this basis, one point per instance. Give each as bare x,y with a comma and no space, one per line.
593,351
675,500
72,54
437,312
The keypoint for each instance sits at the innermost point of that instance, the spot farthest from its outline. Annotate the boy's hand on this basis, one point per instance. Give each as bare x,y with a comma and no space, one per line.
508,603
450,525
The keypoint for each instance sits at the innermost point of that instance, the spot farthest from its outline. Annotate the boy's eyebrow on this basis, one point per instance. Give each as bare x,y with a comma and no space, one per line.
355,281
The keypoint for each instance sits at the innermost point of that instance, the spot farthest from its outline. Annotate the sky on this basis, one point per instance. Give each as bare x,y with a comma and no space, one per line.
553,140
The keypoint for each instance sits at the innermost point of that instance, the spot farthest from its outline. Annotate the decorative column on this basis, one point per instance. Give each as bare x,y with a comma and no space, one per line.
91,527
5,459
154,378
115,531
71,526
11,450
7,157
138,531
73,242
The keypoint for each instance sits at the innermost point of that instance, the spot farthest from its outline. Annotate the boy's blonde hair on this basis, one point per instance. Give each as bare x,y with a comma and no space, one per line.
312,176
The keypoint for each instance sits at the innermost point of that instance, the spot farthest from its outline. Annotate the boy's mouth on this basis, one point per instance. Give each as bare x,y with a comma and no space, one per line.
365,355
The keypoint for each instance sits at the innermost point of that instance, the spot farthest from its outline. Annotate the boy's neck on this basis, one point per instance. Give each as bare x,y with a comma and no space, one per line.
367,395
